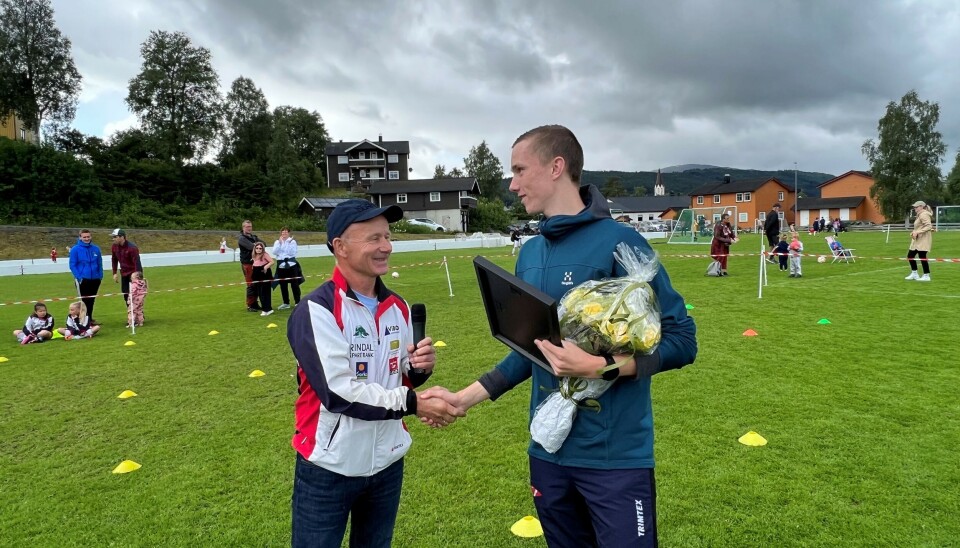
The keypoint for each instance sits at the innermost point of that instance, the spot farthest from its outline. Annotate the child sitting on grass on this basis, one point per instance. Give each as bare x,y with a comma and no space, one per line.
138,292
37,328
796,251
78,323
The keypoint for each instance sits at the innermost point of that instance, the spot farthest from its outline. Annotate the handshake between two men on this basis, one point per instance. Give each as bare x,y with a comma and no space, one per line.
436,407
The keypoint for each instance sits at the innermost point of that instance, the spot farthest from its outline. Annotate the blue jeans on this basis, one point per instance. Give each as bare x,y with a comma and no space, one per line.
323,500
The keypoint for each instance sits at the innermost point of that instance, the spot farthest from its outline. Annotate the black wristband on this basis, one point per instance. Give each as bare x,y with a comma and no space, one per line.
612,374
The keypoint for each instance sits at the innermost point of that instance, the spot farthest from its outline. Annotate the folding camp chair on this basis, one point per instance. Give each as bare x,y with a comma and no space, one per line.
839,252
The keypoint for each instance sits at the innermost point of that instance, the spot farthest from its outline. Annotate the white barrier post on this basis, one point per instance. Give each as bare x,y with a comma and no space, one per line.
447,268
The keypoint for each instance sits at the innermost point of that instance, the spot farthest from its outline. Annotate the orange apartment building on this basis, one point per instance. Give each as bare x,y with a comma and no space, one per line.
753,198
846,197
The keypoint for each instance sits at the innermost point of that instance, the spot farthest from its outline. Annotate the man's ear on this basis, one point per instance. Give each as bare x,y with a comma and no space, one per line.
557,166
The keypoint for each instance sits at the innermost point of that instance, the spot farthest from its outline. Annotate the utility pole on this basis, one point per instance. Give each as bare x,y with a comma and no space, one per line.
796,200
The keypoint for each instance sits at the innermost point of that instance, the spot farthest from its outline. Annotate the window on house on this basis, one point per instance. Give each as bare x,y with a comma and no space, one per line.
762,216
373,155
716,198
362,155
344,177
393,158
463,194
393,175
363,173
23,134
780,196
699,200
739,197
342,159
743,217
401,198
434,196
746,196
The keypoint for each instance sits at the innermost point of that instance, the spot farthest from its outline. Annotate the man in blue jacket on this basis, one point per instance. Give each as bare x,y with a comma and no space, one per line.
86,264
598,489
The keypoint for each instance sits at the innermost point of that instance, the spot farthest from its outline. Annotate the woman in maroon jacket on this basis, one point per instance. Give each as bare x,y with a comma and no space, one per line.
722,238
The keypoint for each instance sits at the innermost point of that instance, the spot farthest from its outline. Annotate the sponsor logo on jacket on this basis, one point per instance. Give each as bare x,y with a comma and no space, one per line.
361,333
362,370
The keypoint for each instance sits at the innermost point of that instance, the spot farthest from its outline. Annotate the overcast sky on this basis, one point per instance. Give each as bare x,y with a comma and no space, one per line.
749,84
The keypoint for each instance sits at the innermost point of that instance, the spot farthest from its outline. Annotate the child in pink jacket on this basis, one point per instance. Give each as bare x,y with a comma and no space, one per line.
138,292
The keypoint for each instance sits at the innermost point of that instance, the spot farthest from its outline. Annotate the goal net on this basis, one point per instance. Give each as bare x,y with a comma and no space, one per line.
947,218
695,225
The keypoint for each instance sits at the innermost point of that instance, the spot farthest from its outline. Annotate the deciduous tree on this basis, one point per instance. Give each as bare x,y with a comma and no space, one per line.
905,161
176,96
38,79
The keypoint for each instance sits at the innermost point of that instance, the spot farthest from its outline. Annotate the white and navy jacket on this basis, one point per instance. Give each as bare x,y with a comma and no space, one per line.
352,371
34,324
78,326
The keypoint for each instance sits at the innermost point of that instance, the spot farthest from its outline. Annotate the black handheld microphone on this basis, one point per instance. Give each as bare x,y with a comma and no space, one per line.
418,318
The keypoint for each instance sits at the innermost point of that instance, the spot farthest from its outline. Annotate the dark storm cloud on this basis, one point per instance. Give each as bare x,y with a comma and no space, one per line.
739,83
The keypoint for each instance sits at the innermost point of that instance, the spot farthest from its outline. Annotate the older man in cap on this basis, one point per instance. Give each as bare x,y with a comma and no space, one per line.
357,366
771,227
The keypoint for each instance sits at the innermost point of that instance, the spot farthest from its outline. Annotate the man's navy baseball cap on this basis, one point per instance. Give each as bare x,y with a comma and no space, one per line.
357,211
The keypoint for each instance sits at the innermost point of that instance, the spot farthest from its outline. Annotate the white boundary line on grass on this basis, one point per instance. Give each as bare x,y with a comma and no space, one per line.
873,289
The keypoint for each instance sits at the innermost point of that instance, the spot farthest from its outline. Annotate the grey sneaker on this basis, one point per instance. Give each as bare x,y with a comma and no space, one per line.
283,306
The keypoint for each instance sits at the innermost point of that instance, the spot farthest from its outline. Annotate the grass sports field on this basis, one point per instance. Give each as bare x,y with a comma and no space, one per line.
861,415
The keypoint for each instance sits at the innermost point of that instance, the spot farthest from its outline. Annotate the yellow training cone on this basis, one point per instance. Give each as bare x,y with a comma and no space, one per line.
56,335
271,325
127,394
4,359
752,439
126,466
527,526
214,332
256,373
129,343
439,343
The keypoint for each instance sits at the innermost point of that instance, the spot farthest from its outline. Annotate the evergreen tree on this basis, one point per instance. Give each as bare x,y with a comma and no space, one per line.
247,125
905,162
952,191
486,168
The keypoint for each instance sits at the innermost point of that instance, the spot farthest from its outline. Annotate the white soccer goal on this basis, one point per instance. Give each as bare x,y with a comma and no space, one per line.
947,218
695,225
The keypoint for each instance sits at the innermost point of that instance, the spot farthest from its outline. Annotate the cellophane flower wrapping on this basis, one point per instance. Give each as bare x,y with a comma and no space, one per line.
611,316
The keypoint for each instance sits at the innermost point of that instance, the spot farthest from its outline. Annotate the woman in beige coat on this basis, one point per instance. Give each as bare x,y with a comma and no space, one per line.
921,239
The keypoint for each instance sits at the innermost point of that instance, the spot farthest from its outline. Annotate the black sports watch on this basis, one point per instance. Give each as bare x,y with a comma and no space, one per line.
612,374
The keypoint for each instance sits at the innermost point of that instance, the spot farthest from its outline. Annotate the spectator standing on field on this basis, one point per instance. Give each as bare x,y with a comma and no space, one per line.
245,243
722,238
86,264
288,269
771,227
125,255
921,240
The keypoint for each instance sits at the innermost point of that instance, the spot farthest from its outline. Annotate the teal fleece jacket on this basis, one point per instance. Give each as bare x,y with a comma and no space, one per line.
570,250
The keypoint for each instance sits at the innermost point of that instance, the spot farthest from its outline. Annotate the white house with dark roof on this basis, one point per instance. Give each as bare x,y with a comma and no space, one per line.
645,208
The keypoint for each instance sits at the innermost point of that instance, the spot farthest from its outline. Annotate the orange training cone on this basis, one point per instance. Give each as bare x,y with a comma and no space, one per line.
750,333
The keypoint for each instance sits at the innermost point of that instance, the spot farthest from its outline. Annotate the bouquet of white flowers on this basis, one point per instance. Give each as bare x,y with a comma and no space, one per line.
612,316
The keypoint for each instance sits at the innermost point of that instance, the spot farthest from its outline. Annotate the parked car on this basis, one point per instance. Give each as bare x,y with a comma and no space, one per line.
860,224
433,225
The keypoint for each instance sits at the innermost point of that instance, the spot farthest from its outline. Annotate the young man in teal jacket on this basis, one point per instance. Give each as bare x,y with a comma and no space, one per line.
598,489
